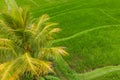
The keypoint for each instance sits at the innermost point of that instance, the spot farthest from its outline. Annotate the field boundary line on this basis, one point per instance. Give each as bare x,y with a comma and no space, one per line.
108,15
99,72
83,32
34,3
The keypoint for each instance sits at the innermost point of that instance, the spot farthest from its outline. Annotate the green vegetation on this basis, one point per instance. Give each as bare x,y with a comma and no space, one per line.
90,32
25,45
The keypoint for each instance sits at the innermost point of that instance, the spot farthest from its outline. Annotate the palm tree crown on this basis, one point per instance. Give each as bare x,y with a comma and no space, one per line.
25,44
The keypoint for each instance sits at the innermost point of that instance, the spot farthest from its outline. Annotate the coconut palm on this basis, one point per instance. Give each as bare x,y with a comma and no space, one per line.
26,44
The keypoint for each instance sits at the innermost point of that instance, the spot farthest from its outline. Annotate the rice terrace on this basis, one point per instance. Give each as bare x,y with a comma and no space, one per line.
59,40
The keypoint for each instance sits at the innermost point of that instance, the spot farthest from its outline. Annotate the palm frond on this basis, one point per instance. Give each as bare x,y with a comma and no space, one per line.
6,31
15,13
11,4
54,30
36,66
54,53
13,21
5,26
22,64
2,66
25,17
11,69
42,38
7,50
39,25
51,33
6,44
45,31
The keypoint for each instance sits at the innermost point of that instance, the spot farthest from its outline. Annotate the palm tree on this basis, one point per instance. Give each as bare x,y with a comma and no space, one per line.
26,44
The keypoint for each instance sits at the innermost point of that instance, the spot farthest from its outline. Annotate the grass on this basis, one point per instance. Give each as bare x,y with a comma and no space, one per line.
104,72
93,49
110,76
102,50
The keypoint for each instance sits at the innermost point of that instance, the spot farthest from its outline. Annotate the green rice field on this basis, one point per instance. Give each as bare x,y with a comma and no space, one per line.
90,33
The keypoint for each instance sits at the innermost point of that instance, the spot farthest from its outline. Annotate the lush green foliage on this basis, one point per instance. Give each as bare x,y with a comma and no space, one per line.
26,45
92,50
